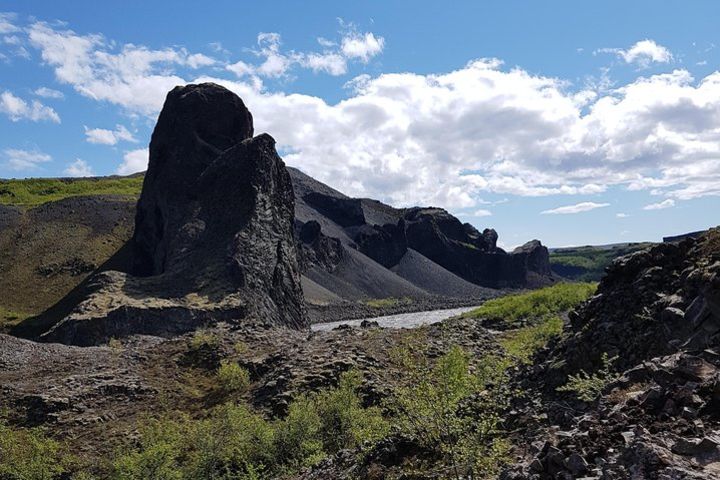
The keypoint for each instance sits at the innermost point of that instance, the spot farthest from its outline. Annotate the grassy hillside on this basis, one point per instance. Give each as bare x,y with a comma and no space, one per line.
36,191
520,308
589,263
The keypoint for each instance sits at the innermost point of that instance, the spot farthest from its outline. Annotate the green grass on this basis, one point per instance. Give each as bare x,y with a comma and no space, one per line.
387,302
10,318
36,191
534,305
523,343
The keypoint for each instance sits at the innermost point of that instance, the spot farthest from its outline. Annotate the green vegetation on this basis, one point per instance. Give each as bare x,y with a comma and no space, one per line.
234,442
589,387
9,318
453,408
388,302
450,405
36,191
523,343
204,339
534,305
27,454
232,378
588,263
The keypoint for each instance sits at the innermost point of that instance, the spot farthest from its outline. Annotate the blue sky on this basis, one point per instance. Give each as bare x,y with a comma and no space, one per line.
571,122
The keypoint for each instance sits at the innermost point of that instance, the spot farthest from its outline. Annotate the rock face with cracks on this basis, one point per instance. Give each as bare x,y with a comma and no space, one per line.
213,234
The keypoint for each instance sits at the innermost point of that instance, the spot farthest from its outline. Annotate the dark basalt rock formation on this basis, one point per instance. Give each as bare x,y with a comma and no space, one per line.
651,303
656,314
317,249
458,247
213,233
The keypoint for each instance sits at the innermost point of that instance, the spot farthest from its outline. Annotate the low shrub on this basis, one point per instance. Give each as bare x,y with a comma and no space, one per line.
234,442
204,339
28,454
454,411
232,378
589,387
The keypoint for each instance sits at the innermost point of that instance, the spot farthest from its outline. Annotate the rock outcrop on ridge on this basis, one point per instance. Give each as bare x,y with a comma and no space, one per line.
213,237
392,236
656,315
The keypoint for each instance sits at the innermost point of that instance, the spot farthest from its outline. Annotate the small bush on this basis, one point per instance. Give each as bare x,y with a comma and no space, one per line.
30,455
298,442
204,339
232,378
589,387
115,345
344,422
454,412
234,442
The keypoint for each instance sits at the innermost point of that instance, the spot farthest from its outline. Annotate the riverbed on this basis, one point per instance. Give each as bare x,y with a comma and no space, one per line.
401,320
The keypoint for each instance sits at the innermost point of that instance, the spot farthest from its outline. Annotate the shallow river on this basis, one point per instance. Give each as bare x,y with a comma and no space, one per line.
401,320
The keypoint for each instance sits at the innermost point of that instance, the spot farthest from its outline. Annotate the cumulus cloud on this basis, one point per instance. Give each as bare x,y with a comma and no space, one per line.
134,77
622,215
482,213
577,208
445,138
17,159
79,168
134,161
46,92
109,137
333,60
661,205
18,109
642,53
363,46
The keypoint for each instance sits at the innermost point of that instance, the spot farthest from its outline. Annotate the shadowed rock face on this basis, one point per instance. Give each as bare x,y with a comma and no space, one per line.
459,248
213,233
197,123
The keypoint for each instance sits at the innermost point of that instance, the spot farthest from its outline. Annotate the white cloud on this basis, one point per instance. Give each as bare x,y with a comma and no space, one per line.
577,208
642,53
241,68
134,161
109,137
331,63
198,60
18,109
79,168
447,138
333,60
622,215
363,47
18,159
661,205
46,92
6,23
482,213
135,77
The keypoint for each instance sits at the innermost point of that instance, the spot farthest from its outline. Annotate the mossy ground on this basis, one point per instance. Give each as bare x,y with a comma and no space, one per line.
36,191
10,318
388,302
